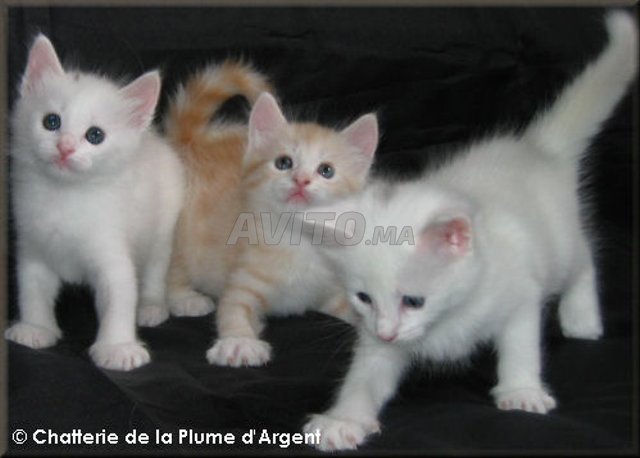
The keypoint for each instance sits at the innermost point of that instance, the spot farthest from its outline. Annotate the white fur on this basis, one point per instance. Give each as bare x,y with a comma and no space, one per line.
517,198
106,218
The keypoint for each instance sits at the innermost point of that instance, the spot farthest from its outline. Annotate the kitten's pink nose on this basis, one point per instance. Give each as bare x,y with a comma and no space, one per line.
66,145
389,336
301,181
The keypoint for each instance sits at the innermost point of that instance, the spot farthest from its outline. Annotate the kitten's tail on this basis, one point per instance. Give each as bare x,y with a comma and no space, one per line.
188,124
567,127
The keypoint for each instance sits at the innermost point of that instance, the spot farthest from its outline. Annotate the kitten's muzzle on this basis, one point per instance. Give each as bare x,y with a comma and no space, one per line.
66,146
387,332
301,181
390,337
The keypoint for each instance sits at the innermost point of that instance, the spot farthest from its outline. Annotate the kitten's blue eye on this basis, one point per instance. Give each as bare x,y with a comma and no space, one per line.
326,170
414,302
51,121
284,163
94,135
364,297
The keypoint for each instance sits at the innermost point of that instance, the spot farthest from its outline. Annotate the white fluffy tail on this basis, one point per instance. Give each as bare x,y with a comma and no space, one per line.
568,126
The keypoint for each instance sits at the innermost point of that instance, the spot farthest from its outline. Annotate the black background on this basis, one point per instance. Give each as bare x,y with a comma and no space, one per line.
437,77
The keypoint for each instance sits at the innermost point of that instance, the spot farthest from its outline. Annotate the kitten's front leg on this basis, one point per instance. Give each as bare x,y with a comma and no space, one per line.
239,324
374,375
239,320
37,287
520,384
116,346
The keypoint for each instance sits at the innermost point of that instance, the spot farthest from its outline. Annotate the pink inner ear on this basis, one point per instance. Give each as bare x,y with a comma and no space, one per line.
144,93
457,234
266,116
450,237
363,134
42,59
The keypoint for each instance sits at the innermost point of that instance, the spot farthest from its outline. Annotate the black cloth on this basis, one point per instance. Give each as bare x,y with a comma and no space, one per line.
437,77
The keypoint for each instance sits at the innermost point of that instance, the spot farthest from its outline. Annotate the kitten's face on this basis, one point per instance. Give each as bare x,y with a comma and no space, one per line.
292,166
71,124
400,294
402,288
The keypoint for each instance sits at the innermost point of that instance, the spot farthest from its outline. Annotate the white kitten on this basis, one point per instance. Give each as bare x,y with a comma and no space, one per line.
96,195
496,232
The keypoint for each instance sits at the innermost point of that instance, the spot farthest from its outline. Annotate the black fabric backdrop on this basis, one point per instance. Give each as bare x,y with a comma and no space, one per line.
437,77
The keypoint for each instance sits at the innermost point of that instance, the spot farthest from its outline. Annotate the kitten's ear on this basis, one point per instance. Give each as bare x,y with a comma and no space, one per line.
451,238
362,134
143,94
266,118
42,60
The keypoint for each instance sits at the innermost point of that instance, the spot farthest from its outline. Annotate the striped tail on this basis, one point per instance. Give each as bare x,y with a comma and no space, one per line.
188,124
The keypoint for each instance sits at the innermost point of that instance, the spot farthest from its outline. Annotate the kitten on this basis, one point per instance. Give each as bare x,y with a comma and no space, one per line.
286,167
496,231
96,195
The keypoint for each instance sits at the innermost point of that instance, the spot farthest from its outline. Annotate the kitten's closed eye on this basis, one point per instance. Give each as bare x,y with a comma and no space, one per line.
414,302
364,297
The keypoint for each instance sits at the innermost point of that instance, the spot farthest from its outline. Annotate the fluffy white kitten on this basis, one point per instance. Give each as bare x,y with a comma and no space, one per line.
496,232
96,195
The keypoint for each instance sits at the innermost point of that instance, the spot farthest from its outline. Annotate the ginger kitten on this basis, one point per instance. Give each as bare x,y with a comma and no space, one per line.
237,173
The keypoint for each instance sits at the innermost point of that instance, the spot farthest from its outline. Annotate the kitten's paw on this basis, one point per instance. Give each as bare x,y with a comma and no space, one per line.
239,351
534,400
340,434
191,304
119,357
32,335
152,314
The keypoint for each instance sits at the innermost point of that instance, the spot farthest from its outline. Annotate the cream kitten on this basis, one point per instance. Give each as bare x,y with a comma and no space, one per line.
236,173
496,231
287,167
96,194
